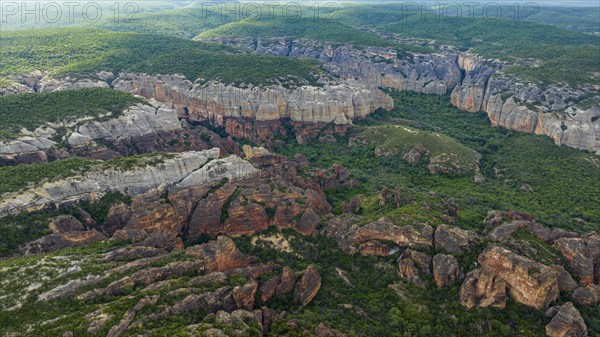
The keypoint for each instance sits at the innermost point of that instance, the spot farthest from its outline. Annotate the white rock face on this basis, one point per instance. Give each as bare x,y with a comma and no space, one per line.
96,183
231,168
136,121
339,103
482,88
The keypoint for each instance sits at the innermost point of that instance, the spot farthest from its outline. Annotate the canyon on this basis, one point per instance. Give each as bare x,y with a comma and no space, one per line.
472,83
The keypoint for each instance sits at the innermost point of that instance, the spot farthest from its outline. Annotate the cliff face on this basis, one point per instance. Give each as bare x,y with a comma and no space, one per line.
96,183
135,122
528,108
474,84
258,113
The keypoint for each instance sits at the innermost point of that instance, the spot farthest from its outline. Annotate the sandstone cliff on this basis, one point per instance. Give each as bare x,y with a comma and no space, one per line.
474,84
258,113
135,122
97,182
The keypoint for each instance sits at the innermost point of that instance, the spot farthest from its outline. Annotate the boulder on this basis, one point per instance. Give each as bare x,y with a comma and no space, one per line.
589,295
567,323
446,270
219,255
244,295
565,280
530,282
308,286
482,289
288,281
407,266
54,242
268,288
65,223
352,206
453,239
579,257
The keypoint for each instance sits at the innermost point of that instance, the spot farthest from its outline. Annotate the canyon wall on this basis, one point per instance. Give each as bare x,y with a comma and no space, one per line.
474,85
256,113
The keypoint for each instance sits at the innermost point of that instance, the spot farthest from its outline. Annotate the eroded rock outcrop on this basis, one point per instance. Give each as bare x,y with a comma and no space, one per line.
350,236
482,289
413,264
258,113
446,270
219,255
97,182
567,322
531,282
509,102
453,239
308,286
582,255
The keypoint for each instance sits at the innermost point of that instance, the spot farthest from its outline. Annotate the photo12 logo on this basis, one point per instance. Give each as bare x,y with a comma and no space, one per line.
226,12
439,11
66,12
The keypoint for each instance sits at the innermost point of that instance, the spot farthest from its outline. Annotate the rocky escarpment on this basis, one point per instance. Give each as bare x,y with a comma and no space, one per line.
214,281
552,111
530,273
474,84
258,113
567,114
97,182
135,122
186,198
146,127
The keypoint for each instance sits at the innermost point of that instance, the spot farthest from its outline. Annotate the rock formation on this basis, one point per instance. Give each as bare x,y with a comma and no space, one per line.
508,102
95,183
582,254
567,322
350,236
308,286
531,282
446,270
258,113
453,240
482,289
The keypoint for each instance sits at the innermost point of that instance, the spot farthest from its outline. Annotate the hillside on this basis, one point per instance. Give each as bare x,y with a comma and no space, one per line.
441,153
84,52
315,170
30,111
330,31
557,55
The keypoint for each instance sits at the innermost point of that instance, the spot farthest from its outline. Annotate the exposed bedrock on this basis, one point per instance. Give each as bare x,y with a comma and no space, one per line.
143,128
184,198
474,84
259,113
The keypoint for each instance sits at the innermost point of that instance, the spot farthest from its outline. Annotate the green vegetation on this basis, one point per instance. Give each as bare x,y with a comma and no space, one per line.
20,177
25,227
367,306
355,296
294,29
31,111
564,181
83,52
396,139
561,55
181,22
